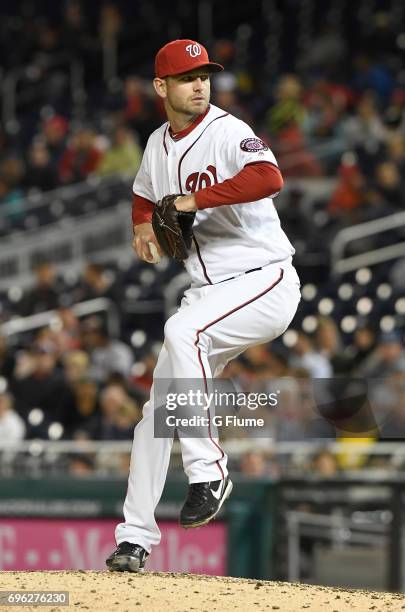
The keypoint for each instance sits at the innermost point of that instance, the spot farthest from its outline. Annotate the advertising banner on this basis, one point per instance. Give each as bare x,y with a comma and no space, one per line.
61,544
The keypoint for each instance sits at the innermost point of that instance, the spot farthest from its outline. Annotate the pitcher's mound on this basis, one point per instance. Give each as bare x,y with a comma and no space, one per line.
154,591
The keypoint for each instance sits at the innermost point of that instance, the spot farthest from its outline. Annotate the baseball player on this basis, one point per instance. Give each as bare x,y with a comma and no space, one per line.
244,289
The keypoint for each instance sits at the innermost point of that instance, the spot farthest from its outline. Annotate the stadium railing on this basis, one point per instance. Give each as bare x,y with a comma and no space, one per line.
99,236
334,527
234,448
342,264
19,325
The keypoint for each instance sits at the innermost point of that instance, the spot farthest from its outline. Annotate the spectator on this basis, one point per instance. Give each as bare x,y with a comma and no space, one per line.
323,126
54,131
291,413
12,167
372,76
392,426
256,361
349,194
386,357
81,157
284,124
110,25
325,464
107,356
278,362
45,293
363,345
254,465
39,172
396,153
135,107
365,134
137,113
48,49
388,184
95,283
329,342
224,51
42,386
75,366
85,415
81,466
288,110
306,356
66,332
11,204
12,428
124,155
226,96
119,414
75,32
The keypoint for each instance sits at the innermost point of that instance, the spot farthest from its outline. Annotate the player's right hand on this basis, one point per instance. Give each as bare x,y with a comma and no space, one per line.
143,235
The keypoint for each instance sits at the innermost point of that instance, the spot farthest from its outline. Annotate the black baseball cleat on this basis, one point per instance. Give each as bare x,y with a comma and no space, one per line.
204,501
127,558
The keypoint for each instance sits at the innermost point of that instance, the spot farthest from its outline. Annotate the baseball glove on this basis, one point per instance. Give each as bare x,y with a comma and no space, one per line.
172,227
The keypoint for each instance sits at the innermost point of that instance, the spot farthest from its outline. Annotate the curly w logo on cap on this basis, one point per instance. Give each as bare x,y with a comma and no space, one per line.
194,50
181,56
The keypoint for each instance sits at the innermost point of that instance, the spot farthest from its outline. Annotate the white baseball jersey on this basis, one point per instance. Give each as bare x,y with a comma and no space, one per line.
229,239
216,320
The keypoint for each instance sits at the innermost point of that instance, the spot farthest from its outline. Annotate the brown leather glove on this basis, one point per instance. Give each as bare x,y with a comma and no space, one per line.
173,228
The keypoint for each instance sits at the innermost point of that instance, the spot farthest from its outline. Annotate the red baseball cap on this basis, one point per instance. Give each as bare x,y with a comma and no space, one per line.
181,56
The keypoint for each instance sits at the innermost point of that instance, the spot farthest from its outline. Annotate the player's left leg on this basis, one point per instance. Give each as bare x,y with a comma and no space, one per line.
150,458
226,319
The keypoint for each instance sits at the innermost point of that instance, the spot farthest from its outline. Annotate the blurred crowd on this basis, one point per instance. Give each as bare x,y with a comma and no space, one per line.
70,379
76,379
322,115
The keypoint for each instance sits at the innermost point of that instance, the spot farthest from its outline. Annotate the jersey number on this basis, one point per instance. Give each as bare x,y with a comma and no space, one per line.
199,180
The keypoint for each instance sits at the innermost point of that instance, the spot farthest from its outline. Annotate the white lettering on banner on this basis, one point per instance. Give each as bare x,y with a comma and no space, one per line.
194,50
75,554
54,558
191,558
74,544
173,550
31,557
93,546
214,559
7,555
83,554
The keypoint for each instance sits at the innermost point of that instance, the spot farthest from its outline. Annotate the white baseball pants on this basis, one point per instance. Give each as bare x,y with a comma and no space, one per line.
214,324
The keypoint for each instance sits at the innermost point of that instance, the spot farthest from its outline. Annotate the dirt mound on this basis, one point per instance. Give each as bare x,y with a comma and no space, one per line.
120,592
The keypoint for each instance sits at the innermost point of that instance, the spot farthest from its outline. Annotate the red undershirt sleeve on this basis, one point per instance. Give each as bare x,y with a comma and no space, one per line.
254,182
142,210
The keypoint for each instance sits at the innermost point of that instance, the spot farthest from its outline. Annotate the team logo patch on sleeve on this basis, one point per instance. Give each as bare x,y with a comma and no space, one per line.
250,145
